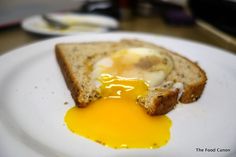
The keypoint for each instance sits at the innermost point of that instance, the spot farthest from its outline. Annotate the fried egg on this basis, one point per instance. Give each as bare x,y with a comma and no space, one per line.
116,120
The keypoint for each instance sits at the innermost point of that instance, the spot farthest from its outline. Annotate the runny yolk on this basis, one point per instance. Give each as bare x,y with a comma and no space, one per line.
122,88
116,120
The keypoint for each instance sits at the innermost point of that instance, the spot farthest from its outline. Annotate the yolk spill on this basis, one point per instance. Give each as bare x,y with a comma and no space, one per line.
116,120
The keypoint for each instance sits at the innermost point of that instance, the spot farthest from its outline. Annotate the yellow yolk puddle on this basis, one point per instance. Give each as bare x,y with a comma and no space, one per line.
116,120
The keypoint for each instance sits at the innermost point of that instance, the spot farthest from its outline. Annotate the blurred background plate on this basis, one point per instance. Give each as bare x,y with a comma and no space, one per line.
79,23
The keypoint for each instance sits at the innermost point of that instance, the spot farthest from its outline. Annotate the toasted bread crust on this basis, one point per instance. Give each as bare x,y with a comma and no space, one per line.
192,92
161,101
69,77
164,104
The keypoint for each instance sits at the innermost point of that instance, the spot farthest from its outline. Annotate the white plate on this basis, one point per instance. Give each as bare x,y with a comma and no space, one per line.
33,92
36,24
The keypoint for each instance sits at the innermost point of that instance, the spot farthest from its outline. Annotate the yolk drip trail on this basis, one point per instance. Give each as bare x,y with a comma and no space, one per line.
116,120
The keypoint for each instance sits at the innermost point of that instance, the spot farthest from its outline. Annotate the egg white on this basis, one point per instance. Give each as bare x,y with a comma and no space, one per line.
132,56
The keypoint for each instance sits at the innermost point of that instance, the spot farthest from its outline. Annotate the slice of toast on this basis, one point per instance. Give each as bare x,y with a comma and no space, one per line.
184,84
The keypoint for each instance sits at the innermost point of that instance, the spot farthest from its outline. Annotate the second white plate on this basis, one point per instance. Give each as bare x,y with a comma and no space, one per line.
36,24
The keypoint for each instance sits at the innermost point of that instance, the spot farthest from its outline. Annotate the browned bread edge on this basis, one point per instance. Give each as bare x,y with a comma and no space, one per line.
71,83
192,92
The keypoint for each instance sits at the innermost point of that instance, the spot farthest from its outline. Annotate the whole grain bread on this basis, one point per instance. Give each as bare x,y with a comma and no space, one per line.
184,84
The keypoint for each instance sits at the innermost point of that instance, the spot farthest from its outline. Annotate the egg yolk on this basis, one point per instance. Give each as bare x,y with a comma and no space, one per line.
116,120
123,88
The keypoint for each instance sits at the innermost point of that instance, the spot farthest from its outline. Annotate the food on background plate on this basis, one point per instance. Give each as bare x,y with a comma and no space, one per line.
114,83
